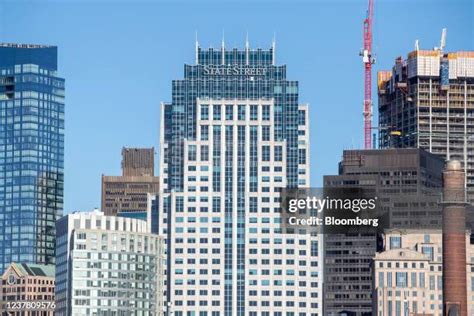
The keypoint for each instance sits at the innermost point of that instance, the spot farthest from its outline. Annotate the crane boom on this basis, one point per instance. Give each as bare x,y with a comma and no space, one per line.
368,61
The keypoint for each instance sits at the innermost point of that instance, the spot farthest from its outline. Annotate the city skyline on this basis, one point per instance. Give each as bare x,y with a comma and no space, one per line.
321,61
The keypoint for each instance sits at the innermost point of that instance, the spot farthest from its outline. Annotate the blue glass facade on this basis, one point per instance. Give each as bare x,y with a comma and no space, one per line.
232,74
31,153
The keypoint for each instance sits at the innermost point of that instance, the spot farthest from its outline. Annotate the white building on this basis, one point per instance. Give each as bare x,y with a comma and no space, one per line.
107,265
408,275
226,251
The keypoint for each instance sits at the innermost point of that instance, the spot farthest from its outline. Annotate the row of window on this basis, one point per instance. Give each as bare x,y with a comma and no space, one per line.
265,132
402,280
264,169
265,156
252,251
216,313
241,112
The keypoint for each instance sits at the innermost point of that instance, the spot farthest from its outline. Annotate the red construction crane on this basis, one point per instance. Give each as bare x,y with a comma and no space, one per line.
368,61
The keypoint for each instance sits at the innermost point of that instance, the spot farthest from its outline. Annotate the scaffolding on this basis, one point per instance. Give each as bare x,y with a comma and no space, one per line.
429,100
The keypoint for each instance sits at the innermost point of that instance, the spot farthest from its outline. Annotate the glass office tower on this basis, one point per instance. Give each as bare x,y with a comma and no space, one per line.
232,138
31,153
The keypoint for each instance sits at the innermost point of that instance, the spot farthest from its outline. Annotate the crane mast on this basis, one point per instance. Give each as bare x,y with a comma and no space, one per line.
368,61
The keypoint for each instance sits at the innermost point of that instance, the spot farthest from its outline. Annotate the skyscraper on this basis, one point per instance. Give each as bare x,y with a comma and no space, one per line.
429,99
233,136
31,153
126,195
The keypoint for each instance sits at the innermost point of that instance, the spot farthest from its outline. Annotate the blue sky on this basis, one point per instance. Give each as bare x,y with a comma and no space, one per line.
119,57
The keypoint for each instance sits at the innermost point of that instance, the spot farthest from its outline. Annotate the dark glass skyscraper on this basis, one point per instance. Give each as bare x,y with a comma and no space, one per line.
31,153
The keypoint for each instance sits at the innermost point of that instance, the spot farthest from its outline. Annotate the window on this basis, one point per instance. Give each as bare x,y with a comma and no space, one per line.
428,251
204,132
422,279
278,153
266,153
302,117
265,133
381,281
192,152
229,112
427,238
398,308
266,113
401,279
413,279
254,112
204,112
314,248
302,156
432,282
395,242
241,114
204,153
216,112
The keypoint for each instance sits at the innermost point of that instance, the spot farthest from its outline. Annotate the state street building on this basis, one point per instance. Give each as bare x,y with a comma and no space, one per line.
232,137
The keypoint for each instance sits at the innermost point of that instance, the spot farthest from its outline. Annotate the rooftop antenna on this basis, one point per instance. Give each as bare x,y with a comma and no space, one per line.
417,45
197,47
442,42
273,48
223,48
247,48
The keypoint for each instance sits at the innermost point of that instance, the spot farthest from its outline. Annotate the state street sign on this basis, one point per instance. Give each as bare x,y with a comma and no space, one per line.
234,70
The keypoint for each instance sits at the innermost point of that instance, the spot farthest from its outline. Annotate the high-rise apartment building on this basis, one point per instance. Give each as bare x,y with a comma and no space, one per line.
407,183
408,273
31,153
429,99
27,290
126,195
108,265
232,138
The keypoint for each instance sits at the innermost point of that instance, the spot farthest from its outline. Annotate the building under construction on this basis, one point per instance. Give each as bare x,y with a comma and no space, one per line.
427,101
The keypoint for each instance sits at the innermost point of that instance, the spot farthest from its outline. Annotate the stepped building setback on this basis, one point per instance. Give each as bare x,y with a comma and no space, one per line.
233,136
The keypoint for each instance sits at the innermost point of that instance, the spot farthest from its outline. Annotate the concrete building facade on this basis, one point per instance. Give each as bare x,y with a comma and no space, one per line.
408,274
108,265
